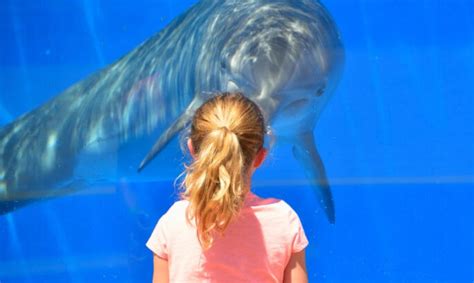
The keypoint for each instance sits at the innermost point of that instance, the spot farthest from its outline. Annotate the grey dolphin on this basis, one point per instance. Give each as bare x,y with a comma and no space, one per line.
284,54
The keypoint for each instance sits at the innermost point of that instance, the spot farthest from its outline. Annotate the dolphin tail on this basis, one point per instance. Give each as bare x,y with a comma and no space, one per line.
307,155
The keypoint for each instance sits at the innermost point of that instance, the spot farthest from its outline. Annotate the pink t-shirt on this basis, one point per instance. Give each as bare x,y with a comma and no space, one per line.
255,247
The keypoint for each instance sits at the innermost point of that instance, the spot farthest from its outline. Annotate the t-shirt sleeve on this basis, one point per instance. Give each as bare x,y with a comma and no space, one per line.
298,236
157,242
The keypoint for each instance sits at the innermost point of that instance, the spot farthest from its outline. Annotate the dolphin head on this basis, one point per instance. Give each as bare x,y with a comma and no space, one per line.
288,58
286,55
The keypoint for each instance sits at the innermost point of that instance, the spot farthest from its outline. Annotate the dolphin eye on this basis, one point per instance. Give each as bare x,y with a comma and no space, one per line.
223,64
320,91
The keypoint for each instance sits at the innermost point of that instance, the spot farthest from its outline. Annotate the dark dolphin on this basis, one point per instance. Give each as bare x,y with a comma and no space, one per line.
285,55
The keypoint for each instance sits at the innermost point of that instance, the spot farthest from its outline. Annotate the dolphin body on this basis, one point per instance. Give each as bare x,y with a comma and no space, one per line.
286,55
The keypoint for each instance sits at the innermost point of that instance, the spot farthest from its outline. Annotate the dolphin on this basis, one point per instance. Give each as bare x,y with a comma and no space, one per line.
286,55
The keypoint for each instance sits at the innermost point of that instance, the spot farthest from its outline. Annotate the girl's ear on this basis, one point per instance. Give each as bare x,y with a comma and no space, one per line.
260,157
191,148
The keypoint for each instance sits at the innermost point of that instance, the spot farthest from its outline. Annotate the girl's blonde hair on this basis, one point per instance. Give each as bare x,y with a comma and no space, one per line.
227,131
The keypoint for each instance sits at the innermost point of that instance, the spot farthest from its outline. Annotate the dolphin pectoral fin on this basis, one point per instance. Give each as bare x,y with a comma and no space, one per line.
175,127
307,155
163,140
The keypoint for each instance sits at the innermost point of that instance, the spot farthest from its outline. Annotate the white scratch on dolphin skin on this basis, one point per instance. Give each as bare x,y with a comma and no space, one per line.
78,102
265,8
3,186
214,22
298,27
3,189
95,134
50,152
17,128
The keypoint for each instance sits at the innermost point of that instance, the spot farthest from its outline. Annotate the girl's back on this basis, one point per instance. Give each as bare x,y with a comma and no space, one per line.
255,247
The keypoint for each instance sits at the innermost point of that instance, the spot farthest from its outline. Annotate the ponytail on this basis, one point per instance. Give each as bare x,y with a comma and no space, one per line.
215,181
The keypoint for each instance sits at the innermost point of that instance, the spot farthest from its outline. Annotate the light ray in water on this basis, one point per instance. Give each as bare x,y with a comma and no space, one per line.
61,241
374,73
5,116
17,248
20,49
88,13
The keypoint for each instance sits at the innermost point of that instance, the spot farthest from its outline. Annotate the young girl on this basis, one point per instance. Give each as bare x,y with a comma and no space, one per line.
220,231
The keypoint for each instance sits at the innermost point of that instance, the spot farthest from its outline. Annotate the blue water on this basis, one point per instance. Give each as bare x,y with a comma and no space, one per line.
396,140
